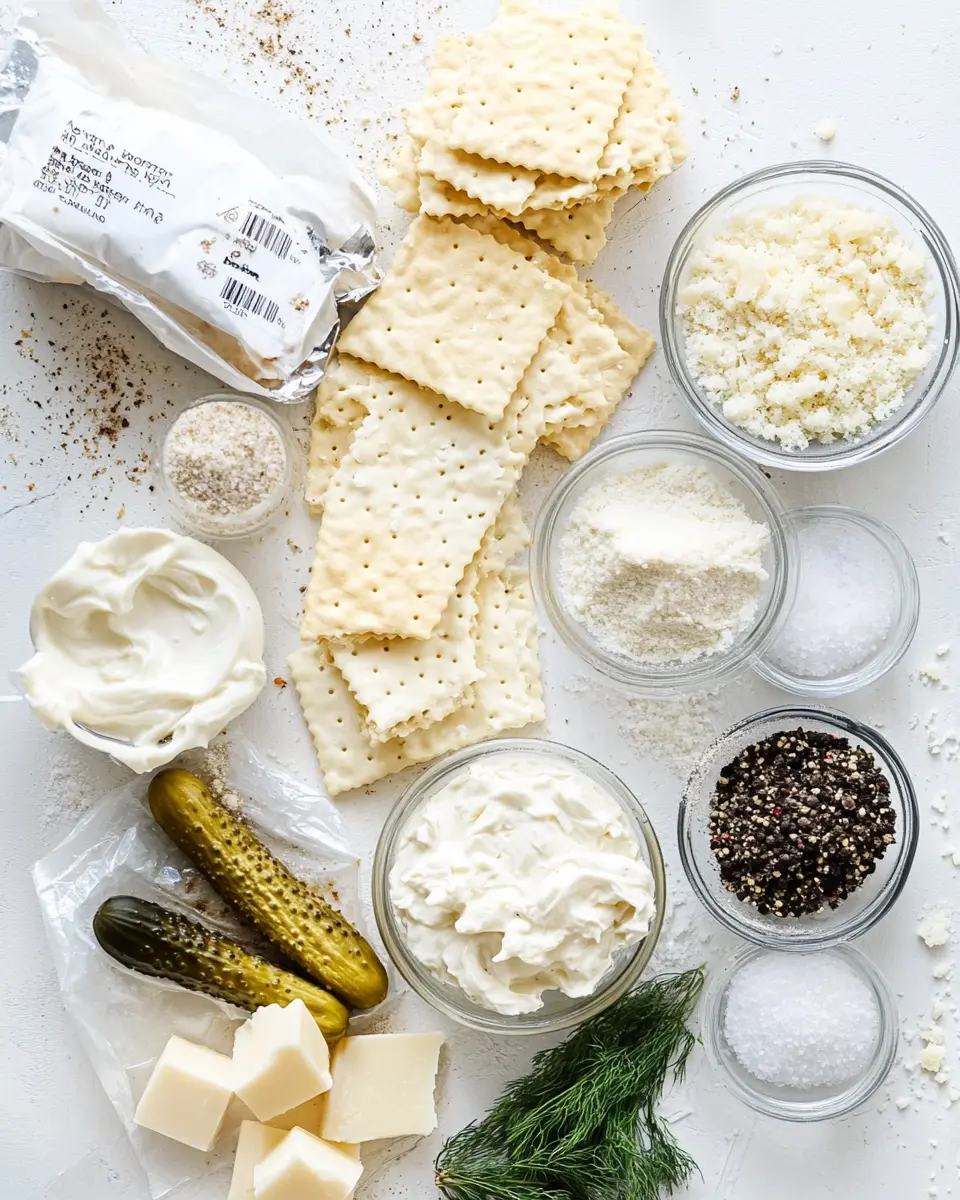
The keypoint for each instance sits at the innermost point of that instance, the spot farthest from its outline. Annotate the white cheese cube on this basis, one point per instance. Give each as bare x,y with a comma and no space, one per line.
382,1087
308,1116
280,1060
187,1095
256,1142
304,1167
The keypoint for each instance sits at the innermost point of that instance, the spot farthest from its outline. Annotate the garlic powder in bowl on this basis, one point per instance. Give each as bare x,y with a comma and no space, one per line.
663,563
226,464
519,887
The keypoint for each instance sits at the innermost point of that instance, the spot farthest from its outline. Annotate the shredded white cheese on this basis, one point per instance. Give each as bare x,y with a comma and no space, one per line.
809,321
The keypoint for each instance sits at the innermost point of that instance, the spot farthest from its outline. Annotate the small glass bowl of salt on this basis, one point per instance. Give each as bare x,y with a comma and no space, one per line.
856,606
800,1037
226,464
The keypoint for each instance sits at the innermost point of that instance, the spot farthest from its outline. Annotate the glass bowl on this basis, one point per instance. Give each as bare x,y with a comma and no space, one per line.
198,520
847,183
618,457
863,908
897,641
799,1104
558,1011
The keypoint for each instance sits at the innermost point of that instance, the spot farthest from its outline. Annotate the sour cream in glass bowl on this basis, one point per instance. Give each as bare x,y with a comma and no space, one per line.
519,887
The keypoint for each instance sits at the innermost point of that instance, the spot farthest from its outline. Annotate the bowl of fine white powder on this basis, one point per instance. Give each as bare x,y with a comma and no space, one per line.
226,464
809,315
663,561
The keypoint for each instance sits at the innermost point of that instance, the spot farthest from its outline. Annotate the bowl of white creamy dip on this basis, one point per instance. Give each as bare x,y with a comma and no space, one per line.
519,887
146,644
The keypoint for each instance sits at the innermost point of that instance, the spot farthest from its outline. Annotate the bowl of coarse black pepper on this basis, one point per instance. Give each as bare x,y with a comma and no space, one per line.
798,828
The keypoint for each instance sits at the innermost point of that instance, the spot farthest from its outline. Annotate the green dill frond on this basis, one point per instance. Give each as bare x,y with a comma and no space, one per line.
582,1124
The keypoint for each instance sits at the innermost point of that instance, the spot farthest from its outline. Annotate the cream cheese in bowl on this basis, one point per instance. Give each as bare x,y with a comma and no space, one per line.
146,644
519,887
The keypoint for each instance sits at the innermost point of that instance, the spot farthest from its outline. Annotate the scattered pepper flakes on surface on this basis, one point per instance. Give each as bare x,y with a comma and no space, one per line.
280,681
31,486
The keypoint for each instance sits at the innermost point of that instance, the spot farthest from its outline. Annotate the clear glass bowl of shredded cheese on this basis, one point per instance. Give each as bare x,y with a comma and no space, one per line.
800,1037
809,315
663,562
860,911
430,818
856,608
226,464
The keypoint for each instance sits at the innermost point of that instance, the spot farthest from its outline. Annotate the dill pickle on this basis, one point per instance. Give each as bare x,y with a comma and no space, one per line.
159,942
310,932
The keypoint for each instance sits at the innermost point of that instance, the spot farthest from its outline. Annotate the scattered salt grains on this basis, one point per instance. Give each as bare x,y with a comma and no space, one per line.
226,457
846,605
801,1021
674,731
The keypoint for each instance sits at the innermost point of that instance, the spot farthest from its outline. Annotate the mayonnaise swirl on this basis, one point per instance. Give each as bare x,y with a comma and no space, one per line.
147,644
520,876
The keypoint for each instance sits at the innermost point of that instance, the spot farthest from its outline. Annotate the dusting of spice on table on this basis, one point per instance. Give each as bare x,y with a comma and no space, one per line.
798,822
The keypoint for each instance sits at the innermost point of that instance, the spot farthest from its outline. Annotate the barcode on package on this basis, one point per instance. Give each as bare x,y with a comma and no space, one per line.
270,236
238,294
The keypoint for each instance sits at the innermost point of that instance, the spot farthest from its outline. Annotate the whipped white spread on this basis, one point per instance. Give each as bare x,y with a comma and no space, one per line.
520,876
147,644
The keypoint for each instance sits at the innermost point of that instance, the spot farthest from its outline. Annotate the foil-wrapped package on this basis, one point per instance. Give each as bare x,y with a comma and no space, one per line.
237,234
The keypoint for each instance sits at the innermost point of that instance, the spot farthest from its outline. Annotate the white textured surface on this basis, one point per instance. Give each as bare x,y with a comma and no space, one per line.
886,73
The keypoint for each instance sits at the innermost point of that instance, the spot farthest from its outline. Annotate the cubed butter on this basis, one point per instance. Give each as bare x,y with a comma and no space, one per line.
256,1142
383,1087
187,1095
280,1060
304,1167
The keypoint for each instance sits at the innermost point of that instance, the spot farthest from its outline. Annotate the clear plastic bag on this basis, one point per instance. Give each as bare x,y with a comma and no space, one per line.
125,1019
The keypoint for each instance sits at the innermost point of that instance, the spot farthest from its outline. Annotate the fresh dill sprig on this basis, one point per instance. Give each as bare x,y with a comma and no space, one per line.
583,1125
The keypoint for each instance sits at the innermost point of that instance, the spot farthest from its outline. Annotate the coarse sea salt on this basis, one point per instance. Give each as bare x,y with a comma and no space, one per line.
801,1021
846,605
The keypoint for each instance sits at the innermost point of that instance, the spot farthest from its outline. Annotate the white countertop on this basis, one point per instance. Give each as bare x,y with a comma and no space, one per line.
756,79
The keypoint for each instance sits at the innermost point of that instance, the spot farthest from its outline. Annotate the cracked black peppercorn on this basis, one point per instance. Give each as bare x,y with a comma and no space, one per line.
799,820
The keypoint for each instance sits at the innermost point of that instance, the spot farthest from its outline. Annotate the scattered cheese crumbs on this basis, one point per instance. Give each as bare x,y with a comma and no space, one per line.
826,131
942,970
943,650
933,1052
931,674
903,1102
939,802
807,322
935,929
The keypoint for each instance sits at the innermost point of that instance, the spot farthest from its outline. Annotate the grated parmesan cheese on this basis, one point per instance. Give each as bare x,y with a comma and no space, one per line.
807,322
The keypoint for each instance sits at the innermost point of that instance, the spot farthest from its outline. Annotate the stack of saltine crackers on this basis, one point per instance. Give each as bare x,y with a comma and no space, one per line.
419,636
545,120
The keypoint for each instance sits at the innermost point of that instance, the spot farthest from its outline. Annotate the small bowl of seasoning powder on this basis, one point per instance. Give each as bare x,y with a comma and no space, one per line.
809,315
856,607
662,560
802,1037
226,464
798,828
